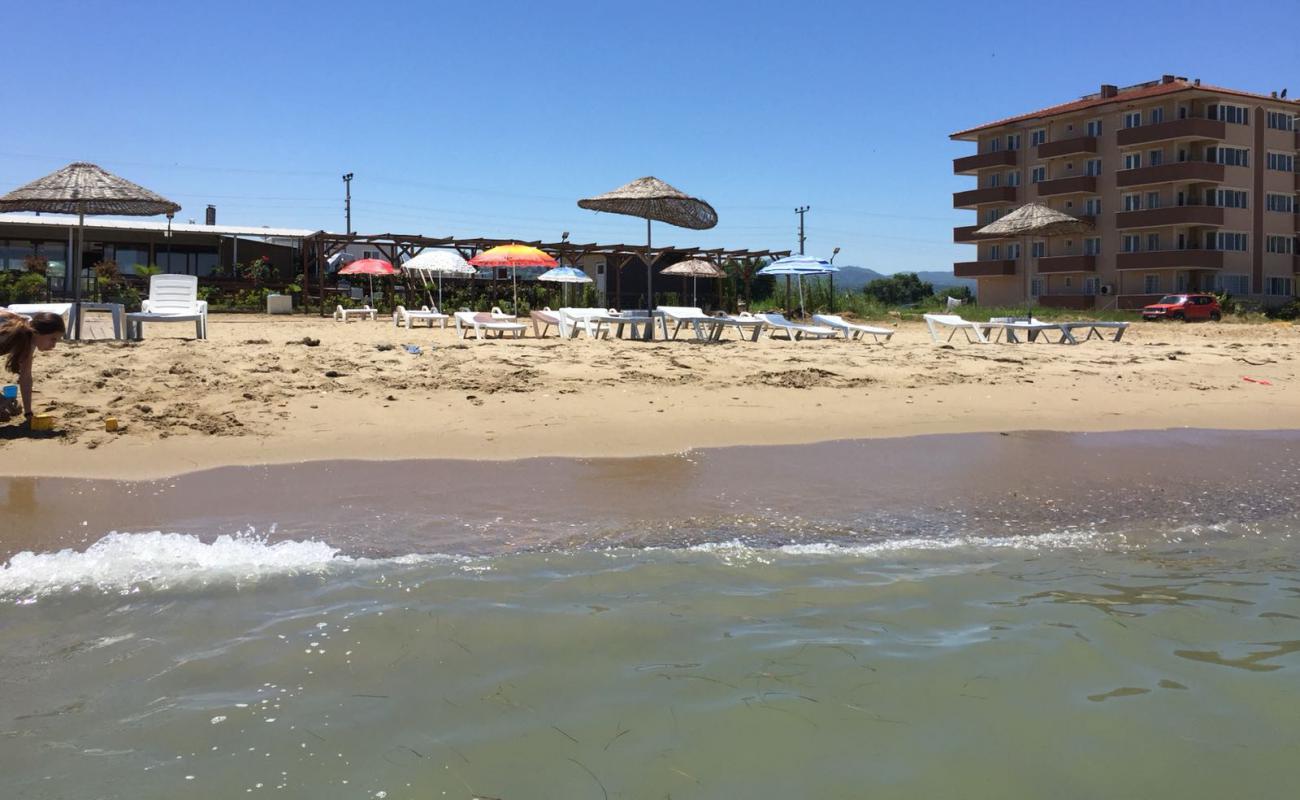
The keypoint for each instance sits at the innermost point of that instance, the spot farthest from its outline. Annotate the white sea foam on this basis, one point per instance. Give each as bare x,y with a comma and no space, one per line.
127,562
1046,541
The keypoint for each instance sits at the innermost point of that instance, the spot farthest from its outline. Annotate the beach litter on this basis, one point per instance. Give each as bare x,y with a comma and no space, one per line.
413,349
43,422
1260,381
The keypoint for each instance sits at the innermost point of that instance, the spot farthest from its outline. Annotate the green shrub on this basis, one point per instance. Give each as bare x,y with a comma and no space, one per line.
30,287
899,289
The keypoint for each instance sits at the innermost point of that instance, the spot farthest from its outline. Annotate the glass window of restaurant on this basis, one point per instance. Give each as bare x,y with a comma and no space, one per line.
128,256
56,256
14,252
187,260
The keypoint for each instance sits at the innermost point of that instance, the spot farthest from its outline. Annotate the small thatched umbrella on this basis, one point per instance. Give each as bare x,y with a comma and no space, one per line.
1030,220
696,268
82,189
653,199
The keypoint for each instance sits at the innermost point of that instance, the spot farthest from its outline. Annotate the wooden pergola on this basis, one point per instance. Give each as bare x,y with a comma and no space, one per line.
320,246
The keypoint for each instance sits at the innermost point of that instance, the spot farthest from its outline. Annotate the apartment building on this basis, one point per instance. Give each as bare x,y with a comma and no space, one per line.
1189,187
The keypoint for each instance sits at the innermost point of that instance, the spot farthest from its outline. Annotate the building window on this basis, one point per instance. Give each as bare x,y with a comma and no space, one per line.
1153,241
995,180
1157,115
1013,179
1037,249
1228,156
1132,202
1038,137
1156,157
1153,199
1232,283
995,252
1281,121
1094,127
1237,115
1225,198
1282,162
1132,160
995,145
1092,206
1013,251
1038,175
1279,202
1132,119
1092,167
1013,141
1036,287
1278,287
1283,245
1151,284
1092,246
1132,243
1090,285
1224,240
994,214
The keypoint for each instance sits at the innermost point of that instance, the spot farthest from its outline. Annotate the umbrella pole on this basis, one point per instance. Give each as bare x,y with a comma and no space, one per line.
514,285
649,286
76,273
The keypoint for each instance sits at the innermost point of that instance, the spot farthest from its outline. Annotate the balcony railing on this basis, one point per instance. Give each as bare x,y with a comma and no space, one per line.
1068,147
975,197
1190,128
1051,264
1171,259
984,269
969,164
965,234
1172,215
1169,173
1078,184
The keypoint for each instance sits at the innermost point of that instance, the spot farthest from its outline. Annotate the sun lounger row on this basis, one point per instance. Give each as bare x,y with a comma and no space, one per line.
1012,328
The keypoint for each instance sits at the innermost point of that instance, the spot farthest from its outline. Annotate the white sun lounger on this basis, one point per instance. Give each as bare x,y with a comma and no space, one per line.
795,331
852,330
172,298
1034,330
701,324
479,322
974,331
742,321
1095,329
585,320
342,314
544,320
409,318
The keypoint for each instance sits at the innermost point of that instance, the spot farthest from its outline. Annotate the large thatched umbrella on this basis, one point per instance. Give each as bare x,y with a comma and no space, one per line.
82,189
695,268
653,199
1030,220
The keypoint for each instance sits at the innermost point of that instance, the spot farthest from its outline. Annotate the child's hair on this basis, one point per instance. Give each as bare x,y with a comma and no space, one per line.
16,336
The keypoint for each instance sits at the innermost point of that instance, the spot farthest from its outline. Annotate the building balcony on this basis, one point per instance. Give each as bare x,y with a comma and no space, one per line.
1079,184
1297,181
1068,147
1169,173
1190,128
1173,215
966,234
967,165
975,197
1051,264
1171,259
1077,302
984,269
1295,263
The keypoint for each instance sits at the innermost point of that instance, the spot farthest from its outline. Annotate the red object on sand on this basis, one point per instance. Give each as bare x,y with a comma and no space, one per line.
1260,381
369,266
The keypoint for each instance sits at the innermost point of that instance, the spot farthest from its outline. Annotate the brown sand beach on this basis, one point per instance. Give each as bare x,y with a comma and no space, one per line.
255,393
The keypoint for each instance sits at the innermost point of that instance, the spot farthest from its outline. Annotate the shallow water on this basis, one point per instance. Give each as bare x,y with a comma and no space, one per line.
947,637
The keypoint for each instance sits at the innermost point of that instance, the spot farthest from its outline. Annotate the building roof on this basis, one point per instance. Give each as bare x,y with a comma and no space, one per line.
104,223
1142,91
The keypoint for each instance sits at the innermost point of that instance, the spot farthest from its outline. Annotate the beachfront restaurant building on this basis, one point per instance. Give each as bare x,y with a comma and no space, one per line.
206,250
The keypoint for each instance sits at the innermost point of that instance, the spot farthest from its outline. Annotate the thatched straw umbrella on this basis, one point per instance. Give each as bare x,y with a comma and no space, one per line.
696,268
1030,220
82,189
653,199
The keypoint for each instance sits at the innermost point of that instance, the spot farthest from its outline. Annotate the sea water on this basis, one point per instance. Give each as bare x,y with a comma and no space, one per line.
820,646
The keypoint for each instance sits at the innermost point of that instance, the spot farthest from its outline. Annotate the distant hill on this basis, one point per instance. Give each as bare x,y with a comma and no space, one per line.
853,278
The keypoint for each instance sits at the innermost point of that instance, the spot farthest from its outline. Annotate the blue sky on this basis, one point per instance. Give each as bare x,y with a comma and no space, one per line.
493,118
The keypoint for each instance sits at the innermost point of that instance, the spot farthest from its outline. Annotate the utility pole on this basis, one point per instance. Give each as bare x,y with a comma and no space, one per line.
801,210
347,201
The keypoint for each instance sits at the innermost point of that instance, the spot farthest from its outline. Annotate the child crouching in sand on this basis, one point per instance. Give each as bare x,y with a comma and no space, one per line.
19,341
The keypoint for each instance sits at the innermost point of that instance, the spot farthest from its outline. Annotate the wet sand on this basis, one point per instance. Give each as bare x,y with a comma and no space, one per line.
255,394
846,491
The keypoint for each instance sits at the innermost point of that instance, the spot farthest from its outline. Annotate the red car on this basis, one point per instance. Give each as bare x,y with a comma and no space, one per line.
1187,307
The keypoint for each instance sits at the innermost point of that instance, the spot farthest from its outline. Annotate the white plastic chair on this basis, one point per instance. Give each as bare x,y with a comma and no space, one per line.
172,298
853,330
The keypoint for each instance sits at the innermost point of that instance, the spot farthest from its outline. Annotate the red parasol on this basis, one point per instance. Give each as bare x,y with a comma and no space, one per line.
369,267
